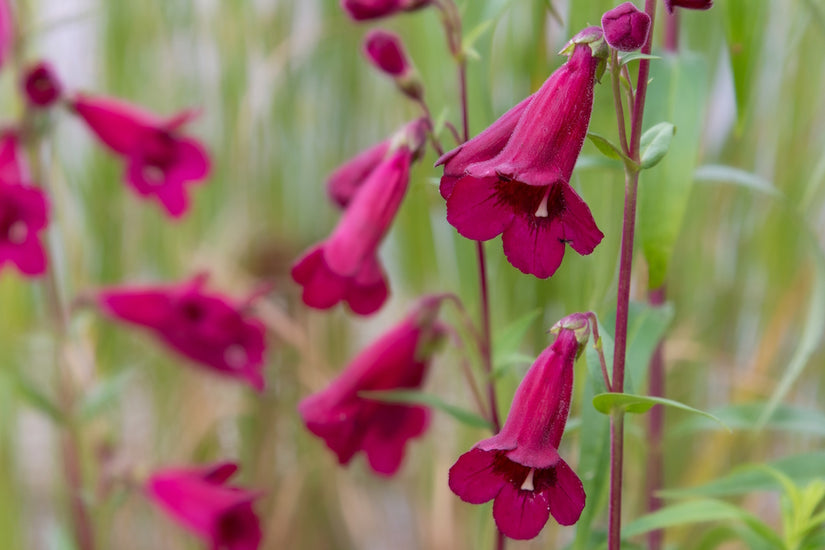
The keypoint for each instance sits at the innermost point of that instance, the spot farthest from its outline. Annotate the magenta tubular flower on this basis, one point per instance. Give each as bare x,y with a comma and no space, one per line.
200,500
345,267
347,179
41,85
522,192
159,160
520,467
349,422
206,328
688,4
362,10
625,27
24,213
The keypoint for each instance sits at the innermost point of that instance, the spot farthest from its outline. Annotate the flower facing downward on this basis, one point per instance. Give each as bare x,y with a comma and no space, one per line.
159,160
206,328
349,421
520,467
625,27
345,267
201,500
522,190
24,213
361,10
688,4
41,85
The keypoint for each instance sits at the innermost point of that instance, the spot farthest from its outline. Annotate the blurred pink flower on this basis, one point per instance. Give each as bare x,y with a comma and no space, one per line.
385,51
207,328
520,467
159,160
345,267
200,500
345,181
349,422
361,10
24,212
688,4
522,191
625,27
41,85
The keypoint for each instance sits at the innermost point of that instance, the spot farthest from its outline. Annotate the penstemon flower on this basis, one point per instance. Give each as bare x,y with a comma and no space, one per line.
206,328
24,213
625,27
688,4
159,159
385,51
350,422
522,191
201,500
345,267
361,10
345,181
520,467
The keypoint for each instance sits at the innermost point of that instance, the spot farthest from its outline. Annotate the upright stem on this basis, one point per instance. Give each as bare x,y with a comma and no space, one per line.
656,419
623,295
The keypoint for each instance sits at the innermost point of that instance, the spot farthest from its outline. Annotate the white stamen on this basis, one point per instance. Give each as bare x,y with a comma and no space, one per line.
542,212
528,482
17,232
235,356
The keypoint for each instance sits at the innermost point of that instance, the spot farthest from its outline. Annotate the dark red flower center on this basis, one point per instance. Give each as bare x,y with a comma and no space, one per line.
237,525
158,153
13,229
522,477
539,204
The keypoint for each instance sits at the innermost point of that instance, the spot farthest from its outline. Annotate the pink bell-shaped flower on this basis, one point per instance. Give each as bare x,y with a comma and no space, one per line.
520,467
349,422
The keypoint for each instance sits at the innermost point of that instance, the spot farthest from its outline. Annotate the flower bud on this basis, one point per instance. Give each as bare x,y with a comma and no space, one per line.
625,27
688,4
41,85
385,51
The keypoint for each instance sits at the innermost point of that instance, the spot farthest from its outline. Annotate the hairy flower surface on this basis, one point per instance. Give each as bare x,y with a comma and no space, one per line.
24,213
522,190
201,500
159,159
520,467
625,27
350,422
345,266
362,10
206,328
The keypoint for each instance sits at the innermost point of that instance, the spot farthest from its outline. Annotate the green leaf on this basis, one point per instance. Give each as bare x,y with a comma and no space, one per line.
801,469
744,30
506,342
646,325
699,511
34,397
605,147
420,398
655,143
468,43
633,56
104,395
680,96
746,417
605,402
737,176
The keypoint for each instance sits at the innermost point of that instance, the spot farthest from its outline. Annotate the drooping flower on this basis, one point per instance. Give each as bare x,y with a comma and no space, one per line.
522,191
385,51
361,10
625,27
159,159
349,421
688,4
24,213
205,327
520,467
345,181
41,85
201,500
345,267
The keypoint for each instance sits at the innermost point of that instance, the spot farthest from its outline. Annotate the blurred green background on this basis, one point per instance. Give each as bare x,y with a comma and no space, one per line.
287,96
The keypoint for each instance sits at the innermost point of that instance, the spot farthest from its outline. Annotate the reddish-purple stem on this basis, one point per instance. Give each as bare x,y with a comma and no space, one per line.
623,295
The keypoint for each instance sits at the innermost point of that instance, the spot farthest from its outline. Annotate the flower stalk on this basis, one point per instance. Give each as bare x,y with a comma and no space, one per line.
625,272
